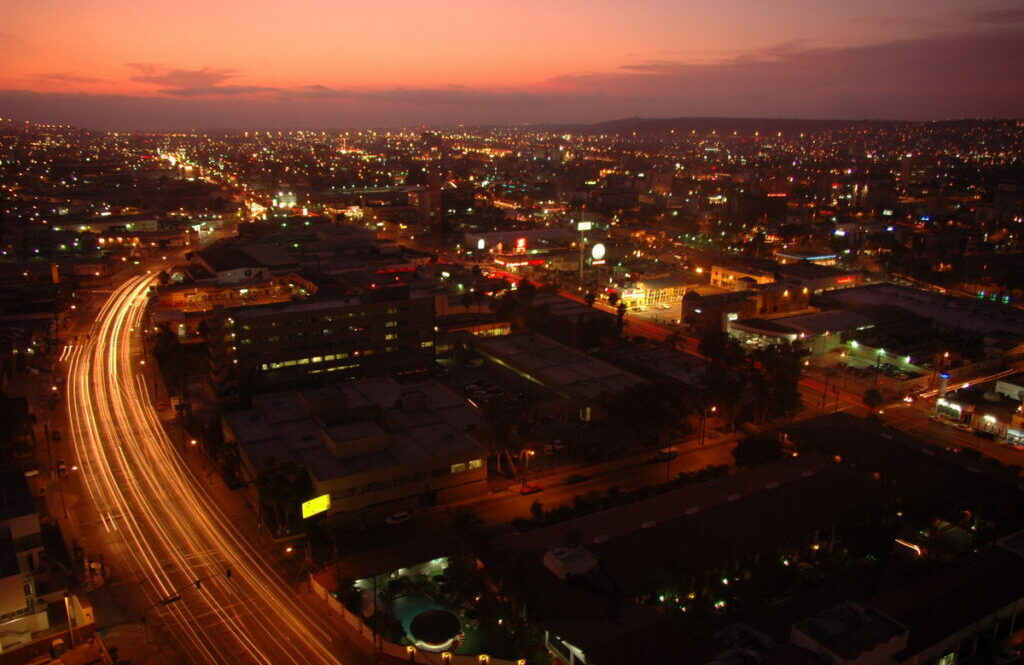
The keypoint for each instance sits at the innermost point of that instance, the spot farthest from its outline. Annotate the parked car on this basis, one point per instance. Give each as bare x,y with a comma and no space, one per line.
398,518
575,479
55,435
663,456
530,488
62,468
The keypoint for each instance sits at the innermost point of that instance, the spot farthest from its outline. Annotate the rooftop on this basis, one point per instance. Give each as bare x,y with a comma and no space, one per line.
850,630
561,368
358,426
980,316
750,512
817,323
15,496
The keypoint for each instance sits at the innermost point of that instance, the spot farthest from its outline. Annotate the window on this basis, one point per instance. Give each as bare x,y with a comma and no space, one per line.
391,336
427,344
390,324
475,464
458,468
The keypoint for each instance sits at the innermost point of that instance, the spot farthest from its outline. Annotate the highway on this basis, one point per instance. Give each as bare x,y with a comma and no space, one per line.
162,518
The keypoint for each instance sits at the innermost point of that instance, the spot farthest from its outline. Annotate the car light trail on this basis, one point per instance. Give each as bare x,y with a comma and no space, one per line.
172,530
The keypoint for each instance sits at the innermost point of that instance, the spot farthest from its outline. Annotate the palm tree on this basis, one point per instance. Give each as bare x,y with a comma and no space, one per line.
283,486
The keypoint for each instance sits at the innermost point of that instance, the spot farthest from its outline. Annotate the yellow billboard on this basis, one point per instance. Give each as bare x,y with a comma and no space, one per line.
320,504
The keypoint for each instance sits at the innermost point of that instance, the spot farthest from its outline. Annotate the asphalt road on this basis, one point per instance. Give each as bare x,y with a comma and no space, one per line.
160,521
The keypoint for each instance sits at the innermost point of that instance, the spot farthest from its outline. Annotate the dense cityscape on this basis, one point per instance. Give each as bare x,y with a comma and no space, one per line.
665,390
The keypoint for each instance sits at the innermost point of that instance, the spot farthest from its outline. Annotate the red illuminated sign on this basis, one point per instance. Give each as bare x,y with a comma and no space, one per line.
844,280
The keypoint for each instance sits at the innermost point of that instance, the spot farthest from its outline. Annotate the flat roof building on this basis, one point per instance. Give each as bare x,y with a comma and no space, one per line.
566,371
368,442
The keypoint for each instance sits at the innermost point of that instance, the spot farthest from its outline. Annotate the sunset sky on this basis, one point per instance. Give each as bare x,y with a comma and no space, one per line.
226,63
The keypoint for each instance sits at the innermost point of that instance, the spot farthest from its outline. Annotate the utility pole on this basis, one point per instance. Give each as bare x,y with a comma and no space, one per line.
581,227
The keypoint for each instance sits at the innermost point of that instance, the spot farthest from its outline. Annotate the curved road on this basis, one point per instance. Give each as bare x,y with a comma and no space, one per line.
172,530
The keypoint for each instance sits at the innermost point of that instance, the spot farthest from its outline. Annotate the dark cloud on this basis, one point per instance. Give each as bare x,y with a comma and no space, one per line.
946,76
952,76
180,78
217,90
996,16
59,77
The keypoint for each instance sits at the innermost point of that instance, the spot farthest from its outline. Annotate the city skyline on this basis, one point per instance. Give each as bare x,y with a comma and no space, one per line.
118,66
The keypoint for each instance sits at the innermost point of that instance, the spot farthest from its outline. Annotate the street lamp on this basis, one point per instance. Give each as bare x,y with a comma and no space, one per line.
525,454
704,422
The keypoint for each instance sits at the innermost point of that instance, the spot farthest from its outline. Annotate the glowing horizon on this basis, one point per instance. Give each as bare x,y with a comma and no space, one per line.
460,61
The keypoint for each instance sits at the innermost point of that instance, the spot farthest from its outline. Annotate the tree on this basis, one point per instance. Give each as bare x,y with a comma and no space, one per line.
873,398
613,298
526,291
867,539
348,595
283,486
648,409
775,377
756,450
620,315
537,510
467,527
589,298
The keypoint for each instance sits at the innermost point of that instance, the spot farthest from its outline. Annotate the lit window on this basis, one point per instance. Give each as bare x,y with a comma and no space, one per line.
427,344
458,468
475,463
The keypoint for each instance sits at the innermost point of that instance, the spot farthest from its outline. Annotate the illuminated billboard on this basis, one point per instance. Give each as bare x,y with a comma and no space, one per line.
320,504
